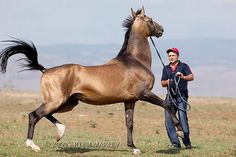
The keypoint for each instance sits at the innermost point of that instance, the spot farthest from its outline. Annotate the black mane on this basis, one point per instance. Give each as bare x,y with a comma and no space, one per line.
127,23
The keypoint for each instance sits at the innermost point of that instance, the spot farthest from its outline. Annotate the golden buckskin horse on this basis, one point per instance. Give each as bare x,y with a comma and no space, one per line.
126,78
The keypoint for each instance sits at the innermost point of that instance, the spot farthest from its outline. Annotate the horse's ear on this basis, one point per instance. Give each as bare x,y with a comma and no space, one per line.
133,13
142,11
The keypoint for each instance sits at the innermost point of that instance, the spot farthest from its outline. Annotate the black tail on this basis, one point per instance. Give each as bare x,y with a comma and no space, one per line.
17,46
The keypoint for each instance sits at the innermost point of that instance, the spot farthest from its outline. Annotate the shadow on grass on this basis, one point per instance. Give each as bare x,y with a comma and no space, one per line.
169,151
174,150
74,150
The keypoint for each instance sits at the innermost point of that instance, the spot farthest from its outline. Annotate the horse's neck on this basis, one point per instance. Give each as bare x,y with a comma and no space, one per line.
139,48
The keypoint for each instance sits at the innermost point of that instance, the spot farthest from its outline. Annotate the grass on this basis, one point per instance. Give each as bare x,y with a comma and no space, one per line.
94,131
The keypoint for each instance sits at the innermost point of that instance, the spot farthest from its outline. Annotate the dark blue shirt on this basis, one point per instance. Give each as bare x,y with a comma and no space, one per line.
167,73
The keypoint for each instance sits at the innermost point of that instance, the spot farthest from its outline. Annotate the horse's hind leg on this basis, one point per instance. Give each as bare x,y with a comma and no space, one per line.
34,117
129,114
67,106
59,125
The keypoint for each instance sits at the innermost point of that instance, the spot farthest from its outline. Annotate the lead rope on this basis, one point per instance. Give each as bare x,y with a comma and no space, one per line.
157,52
176,83
178,92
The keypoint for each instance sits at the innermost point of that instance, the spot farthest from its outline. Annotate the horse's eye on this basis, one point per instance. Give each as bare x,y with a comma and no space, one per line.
150,20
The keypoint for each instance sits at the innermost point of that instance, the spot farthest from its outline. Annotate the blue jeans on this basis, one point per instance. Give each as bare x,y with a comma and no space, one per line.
170,128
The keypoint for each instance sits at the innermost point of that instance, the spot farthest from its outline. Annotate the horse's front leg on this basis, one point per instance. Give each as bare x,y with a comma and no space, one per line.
148,96
129,114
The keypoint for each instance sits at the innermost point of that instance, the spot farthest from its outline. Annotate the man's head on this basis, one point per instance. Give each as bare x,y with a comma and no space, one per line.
173,55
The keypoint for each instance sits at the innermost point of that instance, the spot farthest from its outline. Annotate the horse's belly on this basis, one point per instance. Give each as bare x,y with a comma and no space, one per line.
101,99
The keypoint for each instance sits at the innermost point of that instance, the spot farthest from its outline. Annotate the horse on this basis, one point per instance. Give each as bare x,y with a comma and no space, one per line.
126,78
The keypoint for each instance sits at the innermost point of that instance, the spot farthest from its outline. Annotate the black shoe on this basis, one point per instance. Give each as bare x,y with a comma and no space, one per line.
174,146
188,146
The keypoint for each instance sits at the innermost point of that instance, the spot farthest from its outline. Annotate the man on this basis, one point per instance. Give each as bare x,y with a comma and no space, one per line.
175,77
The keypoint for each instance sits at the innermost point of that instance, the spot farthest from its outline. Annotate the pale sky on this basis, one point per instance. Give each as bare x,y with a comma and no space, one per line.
48,22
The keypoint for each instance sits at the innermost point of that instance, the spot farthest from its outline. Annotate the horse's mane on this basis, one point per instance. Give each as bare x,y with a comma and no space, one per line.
127,23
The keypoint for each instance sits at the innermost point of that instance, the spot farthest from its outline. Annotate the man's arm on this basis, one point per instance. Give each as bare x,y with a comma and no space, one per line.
189,77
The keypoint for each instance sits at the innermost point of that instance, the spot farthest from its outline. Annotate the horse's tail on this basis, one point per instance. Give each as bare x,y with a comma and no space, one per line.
17,46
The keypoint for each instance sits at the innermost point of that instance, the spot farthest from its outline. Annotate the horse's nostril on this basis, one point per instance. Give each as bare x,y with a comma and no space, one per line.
162,29
159,34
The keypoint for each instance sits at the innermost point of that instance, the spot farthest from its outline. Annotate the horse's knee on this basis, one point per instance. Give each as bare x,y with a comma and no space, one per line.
166,106
129,124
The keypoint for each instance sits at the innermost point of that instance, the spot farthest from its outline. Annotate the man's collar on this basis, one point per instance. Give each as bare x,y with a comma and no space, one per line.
178,62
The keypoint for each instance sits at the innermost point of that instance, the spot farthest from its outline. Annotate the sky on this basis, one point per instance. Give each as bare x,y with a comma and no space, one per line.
99,22
50,22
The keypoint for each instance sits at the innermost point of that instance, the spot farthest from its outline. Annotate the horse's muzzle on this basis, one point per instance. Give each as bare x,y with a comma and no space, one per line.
159,34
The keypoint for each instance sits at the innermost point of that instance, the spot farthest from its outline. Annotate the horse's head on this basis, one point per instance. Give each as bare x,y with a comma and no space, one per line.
145,25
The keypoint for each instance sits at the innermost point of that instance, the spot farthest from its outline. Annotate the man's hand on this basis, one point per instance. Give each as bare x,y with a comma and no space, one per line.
165,83
180,75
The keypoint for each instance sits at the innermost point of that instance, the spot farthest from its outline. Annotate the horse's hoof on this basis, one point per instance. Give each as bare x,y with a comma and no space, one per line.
34,147
136,152
180,134
60,131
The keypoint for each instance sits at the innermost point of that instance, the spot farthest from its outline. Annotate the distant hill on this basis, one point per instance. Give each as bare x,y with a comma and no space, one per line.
211,60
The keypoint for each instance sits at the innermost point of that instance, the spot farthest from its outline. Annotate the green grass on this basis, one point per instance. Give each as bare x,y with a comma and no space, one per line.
100,131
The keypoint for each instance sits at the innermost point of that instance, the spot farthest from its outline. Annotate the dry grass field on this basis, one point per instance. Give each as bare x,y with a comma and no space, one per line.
99,131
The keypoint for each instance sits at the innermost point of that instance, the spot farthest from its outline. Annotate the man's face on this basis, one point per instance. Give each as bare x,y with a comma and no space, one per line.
173,57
